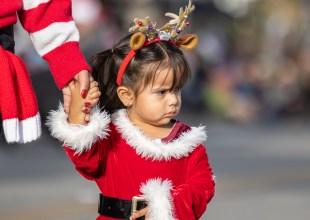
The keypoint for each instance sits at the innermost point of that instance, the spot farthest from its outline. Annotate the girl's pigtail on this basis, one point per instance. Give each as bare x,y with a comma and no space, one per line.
104,71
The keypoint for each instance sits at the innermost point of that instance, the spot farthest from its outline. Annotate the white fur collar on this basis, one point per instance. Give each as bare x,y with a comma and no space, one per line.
154,148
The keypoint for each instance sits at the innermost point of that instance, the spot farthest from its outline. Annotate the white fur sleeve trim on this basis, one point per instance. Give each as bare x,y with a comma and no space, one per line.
157,194
78,137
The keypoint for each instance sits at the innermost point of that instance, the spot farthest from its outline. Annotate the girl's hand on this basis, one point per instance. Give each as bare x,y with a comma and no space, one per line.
91,99
80,108
140,213
84,79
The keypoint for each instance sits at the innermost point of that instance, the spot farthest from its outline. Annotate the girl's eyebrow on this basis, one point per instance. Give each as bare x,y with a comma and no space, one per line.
161,87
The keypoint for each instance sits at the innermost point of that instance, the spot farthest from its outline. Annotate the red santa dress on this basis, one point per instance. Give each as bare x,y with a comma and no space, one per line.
173,174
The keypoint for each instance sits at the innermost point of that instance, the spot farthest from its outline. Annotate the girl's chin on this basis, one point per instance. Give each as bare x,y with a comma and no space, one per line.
165,123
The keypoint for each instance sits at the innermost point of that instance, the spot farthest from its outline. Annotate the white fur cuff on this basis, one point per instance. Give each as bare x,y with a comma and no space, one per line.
78,137
157,193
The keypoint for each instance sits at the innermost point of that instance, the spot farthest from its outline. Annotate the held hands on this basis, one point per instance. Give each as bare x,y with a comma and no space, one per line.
79,107
84,80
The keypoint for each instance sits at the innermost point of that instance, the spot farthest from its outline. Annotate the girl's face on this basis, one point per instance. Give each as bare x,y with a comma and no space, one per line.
156,105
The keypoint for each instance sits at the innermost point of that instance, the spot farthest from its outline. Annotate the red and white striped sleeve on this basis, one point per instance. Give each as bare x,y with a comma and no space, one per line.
55,36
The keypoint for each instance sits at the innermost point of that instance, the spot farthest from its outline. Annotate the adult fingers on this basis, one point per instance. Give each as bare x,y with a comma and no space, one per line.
67,98
83,78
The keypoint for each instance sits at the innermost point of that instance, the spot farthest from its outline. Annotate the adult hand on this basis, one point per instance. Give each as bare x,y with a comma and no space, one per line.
84,79
67,97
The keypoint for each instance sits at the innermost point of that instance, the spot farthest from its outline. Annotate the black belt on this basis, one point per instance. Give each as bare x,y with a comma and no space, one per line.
7,38
117,208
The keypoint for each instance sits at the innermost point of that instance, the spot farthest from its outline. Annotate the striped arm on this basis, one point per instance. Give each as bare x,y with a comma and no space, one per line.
55,37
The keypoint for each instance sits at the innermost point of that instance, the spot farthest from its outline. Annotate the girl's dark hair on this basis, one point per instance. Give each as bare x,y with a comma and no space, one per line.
140,71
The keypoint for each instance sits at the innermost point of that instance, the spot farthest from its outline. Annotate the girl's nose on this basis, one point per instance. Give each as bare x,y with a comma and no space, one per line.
173,98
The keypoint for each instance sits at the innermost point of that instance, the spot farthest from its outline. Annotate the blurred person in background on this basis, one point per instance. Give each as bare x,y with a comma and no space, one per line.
56,39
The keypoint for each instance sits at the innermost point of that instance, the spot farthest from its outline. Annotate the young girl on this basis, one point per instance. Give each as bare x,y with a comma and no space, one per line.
134,146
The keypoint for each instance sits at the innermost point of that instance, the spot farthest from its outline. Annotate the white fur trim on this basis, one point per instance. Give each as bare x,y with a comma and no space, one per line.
157,193
154,148
78,137
53,36
22,131
32,4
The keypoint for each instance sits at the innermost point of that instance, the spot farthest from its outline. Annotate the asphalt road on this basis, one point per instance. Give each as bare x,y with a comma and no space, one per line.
262,172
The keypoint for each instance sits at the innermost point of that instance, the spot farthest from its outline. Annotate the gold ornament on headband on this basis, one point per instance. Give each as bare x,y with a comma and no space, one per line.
170,31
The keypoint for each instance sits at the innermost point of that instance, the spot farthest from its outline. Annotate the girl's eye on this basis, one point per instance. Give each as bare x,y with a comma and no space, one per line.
160,93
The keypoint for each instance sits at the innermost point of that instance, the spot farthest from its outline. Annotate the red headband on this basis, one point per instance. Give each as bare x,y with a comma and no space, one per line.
131,54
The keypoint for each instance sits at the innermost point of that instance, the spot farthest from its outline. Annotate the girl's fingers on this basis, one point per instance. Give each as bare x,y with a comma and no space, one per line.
139,213
94,95
91,99
86,110
93,84
91,79
88,104
91,103
87,118
93,89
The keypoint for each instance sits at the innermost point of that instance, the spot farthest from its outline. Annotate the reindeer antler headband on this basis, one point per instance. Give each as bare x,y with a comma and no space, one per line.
148,34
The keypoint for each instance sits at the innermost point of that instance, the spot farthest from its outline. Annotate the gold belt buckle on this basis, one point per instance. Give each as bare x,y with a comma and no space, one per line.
134,203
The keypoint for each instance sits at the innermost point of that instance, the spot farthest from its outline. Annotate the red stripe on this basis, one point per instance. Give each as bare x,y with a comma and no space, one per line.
9,7
8,20
45,14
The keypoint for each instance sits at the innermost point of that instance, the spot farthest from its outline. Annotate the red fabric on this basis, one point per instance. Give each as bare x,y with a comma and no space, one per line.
65,62
178,128
8,11
17,96
8,20
45,14
119,172
192,197
17,100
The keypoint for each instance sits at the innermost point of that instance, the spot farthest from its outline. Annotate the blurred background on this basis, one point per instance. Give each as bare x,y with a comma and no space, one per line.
250,87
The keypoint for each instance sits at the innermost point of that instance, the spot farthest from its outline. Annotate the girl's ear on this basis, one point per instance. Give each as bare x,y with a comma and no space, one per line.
188,41
126,95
